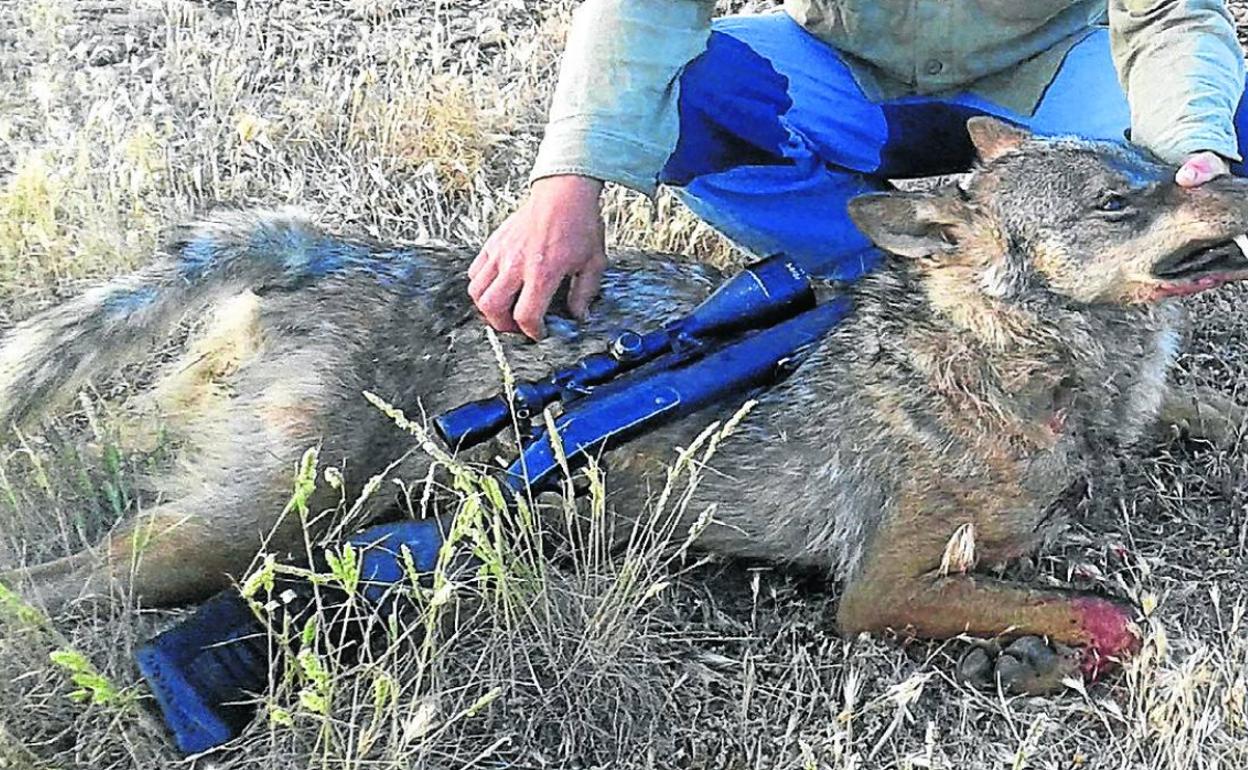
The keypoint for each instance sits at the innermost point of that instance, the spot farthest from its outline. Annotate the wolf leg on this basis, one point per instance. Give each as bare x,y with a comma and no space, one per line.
168,556
48,572
1045,622
1203,413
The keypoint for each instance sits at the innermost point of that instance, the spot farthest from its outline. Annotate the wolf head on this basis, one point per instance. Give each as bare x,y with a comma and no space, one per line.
1078,221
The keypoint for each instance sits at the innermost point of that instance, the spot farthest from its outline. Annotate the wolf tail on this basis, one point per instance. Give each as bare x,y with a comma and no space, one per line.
46,358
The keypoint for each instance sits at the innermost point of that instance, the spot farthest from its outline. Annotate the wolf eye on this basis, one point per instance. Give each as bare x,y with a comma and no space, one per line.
1112,202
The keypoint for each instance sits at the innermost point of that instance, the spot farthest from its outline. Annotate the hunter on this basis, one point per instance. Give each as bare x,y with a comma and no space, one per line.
766,125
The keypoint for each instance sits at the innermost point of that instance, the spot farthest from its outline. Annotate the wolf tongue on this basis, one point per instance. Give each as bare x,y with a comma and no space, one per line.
1241,241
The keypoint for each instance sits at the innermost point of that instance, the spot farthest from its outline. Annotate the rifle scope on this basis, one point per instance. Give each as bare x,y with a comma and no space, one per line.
764,293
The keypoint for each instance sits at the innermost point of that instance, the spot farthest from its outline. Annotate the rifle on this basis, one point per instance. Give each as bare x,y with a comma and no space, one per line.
750,333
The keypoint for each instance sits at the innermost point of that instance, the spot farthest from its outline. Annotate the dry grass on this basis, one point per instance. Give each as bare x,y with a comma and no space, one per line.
415,120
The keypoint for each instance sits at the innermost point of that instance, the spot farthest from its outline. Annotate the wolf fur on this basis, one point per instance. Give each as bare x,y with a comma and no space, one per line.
1021,326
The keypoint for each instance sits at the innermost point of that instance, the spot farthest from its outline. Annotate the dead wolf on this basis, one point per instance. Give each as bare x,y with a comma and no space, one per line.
1024,322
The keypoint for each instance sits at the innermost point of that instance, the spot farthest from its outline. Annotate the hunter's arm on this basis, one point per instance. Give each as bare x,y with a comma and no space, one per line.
1183,72
614,116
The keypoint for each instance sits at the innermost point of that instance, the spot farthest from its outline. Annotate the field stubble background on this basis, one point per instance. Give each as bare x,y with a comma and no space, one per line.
418,120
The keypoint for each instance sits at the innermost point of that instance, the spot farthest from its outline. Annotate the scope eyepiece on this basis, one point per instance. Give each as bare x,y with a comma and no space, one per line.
470,424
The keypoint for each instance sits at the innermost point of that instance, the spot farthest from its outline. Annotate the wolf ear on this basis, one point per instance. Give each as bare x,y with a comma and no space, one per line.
993,137
912,224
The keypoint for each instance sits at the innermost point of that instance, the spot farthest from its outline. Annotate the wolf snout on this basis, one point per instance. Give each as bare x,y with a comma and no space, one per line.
1202,267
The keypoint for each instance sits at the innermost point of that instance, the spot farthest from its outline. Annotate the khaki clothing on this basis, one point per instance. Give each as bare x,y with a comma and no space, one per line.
614,112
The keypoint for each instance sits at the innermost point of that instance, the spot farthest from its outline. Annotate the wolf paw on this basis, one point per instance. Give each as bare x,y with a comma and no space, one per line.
1028,665
1206,416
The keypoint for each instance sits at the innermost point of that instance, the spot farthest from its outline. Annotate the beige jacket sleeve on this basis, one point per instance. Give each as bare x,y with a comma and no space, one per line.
1183,72
614,116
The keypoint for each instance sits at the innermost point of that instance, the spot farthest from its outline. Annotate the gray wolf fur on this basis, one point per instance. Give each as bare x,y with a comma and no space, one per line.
1024,323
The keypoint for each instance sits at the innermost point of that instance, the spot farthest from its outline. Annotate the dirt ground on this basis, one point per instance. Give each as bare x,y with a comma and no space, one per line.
418,120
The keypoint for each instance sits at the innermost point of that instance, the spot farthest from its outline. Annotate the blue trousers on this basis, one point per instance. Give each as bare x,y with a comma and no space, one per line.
776,136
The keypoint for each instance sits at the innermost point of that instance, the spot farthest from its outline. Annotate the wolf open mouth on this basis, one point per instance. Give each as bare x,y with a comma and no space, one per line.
1219,258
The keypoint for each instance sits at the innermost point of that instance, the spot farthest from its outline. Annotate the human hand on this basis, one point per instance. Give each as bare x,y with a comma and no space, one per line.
1200,168
555,234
